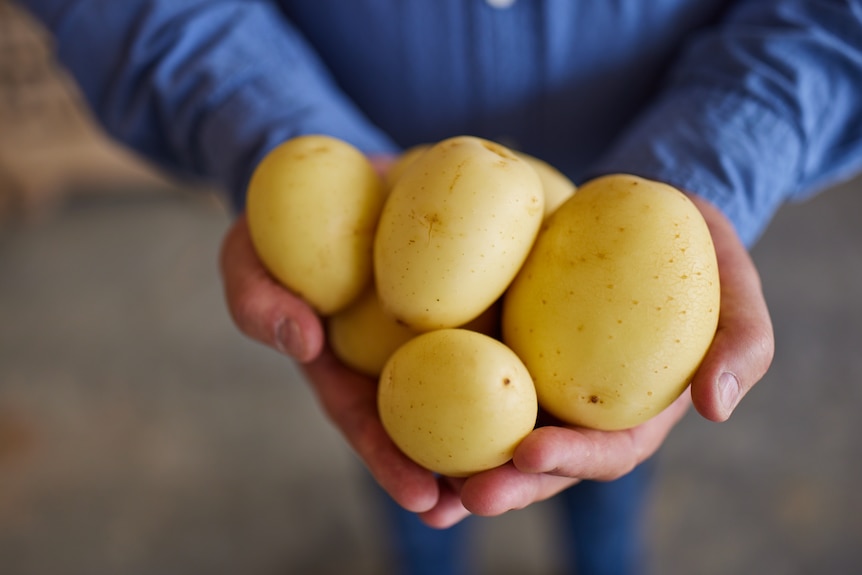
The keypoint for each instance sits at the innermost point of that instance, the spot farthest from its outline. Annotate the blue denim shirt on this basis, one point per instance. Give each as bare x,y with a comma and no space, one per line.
747,103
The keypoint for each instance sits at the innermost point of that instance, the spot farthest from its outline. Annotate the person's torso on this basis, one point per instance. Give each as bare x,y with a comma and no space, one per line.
555,78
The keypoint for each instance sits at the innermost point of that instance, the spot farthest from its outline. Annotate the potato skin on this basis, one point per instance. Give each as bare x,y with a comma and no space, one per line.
557,187
312,206
456,402
364,336
402,162
454,231
617,304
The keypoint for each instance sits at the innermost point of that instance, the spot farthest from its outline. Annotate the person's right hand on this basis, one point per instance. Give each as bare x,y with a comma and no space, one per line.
267,312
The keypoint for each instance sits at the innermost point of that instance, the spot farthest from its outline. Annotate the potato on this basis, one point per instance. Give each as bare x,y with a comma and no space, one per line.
397,169
312,207
454,232
456,402
616,305
556,186
363,336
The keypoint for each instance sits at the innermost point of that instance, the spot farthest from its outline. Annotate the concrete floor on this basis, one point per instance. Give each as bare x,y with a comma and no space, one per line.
140,433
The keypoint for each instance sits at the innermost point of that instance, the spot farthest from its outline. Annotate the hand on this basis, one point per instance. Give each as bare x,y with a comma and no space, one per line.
267,312
744,343
553,458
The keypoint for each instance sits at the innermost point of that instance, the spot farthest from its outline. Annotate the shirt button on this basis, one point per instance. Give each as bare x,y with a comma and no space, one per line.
501,4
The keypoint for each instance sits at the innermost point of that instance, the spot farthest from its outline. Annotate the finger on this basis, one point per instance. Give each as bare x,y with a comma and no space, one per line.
593,454
449,509
261,308
350,401
744,343
381,163
505,488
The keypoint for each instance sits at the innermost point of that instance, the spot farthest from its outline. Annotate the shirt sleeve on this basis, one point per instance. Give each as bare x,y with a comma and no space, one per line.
203,88
764,107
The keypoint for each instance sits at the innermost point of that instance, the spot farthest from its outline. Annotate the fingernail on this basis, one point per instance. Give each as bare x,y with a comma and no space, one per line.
728,389
289,339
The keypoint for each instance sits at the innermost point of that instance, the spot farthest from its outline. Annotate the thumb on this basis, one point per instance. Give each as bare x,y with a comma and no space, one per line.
743,347
261,307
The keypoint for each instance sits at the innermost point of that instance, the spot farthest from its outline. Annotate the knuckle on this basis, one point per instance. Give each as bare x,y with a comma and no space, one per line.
762,349
246,314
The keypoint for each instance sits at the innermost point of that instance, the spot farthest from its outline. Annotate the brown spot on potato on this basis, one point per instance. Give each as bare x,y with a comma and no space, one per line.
431,220
454,181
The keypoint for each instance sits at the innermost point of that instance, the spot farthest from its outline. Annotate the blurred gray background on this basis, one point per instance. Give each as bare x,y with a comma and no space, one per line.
140,433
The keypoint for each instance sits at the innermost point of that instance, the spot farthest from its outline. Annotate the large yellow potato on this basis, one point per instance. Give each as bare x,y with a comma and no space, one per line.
454,232
617,303
456,402
312,207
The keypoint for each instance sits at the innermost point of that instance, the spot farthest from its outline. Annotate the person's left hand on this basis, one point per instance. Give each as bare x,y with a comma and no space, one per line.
555,457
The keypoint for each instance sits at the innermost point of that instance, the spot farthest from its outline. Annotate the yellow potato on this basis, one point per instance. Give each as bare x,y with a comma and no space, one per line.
364,336
617,304
402,163
456,402
556,186
454,232
312,206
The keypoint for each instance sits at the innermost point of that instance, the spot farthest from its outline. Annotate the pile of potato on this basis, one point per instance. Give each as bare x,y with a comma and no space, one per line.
479,287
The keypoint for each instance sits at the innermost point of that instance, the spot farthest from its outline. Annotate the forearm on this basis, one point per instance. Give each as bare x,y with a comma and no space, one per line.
760,109
201,87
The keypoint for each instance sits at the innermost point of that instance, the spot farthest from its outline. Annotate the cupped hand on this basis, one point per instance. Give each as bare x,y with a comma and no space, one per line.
554,457
267,312
259,306
270,314
744,343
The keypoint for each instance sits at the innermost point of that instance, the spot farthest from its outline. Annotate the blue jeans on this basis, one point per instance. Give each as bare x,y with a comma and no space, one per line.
601,527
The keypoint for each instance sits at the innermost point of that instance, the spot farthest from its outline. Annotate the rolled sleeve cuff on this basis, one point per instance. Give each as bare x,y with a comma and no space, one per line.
731,150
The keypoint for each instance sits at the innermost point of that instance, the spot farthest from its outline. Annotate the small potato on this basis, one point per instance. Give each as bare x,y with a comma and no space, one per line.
556,186
617,304
402,163
456,402
364,336
312,207
454,232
